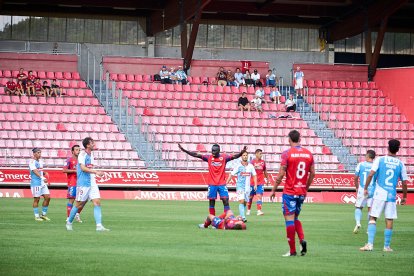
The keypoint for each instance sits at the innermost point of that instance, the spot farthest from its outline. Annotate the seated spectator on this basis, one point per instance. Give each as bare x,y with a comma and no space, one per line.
173,76
260,93
270,78
257,104
22,76
255,78
38,87
55,89
243,103
30,84
248,78
46,89
181,75
31,77
10,87
20,88
290,104
165,75
275,94
221,77
230,79
239,78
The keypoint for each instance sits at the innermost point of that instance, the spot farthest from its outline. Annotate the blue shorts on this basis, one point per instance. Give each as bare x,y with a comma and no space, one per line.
292,204
258,191
71,192
221,190
216,222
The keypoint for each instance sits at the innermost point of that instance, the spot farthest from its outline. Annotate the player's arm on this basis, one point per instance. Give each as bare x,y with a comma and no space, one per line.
266,176
356,181
65,169
239,154
311,177
228,179
255,182
404,189
87,170
368,181
191,153
280,175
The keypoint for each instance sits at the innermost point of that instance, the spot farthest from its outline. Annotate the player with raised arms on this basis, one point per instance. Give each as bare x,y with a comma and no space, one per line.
298,165
388,170
226,221
361,173
217,174
244,172
260,167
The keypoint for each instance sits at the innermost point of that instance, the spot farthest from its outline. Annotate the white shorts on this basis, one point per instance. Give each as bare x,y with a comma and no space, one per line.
299,84
361,200
243,194
87,193
369,202
390,209
38,191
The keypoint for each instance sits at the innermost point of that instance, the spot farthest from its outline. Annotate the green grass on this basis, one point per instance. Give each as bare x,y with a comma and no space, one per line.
160,237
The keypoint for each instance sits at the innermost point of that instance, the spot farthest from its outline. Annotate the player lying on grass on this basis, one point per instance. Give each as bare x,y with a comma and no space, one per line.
226,221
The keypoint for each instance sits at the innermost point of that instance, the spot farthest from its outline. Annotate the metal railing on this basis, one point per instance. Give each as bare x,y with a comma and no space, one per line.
39,47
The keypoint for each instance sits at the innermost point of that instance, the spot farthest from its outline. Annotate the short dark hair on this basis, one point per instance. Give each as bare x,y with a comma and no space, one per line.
294,135
74,146
86,141
237,227
393,145
371,154
258,150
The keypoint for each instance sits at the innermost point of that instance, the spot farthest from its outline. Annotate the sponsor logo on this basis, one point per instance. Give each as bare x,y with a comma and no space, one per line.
1,176
348,198
216,164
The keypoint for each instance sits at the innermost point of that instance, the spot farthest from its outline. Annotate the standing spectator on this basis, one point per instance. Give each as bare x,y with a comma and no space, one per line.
256,78
230,79
164,75
46,89
290,104
181,75
221,77
22,76
239,78
248,78
275,94
260,93
37,87
257,104
20,88
270,78
243,103
55,89
298,76
10,87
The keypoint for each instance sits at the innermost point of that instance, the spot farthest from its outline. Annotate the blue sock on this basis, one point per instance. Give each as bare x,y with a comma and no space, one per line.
372,229
241,210
36,211
97,214
387,237
226,208
72,214
358,215
44,210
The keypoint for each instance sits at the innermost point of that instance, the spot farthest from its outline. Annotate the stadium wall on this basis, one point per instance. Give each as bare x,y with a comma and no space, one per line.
39,62
330,72
396,83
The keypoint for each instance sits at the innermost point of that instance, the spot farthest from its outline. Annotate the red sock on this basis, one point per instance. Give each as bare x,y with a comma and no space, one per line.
249,204
290,233
212,211
299,230
68,209
207,223
80,210
222,216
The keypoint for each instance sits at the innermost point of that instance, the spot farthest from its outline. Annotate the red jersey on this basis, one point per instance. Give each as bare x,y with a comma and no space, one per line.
298,161
217,168
37,86
71,165
11,85
31,78
19,86
260,167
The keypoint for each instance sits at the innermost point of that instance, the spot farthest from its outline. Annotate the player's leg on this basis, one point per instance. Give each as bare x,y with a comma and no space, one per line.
224,196
288,208
212,195
250,202
376,210
357,216
299,227
390,214
45,206
95,196
71,195
259,195
36,208
207,222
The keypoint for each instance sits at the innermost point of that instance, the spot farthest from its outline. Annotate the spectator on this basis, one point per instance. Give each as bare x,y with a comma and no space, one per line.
221,77
30,84
275,94
260,93
10,87
46,89
164,75
22,76
290,104
257,104
239,78
55,89
230,79
37,87
270,78
248,78
298,76
55,48
20,88
243,103
173,76
181,75
255,78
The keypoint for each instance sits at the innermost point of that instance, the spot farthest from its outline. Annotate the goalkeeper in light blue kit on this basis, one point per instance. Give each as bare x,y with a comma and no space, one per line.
388,169
361,173
244,172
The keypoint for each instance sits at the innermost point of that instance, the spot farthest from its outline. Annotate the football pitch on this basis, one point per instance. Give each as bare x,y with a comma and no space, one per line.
161,237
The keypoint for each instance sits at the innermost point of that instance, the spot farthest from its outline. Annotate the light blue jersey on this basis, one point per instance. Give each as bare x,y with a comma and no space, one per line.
243,173
34,179
85,179
362,171
299,75
389,170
